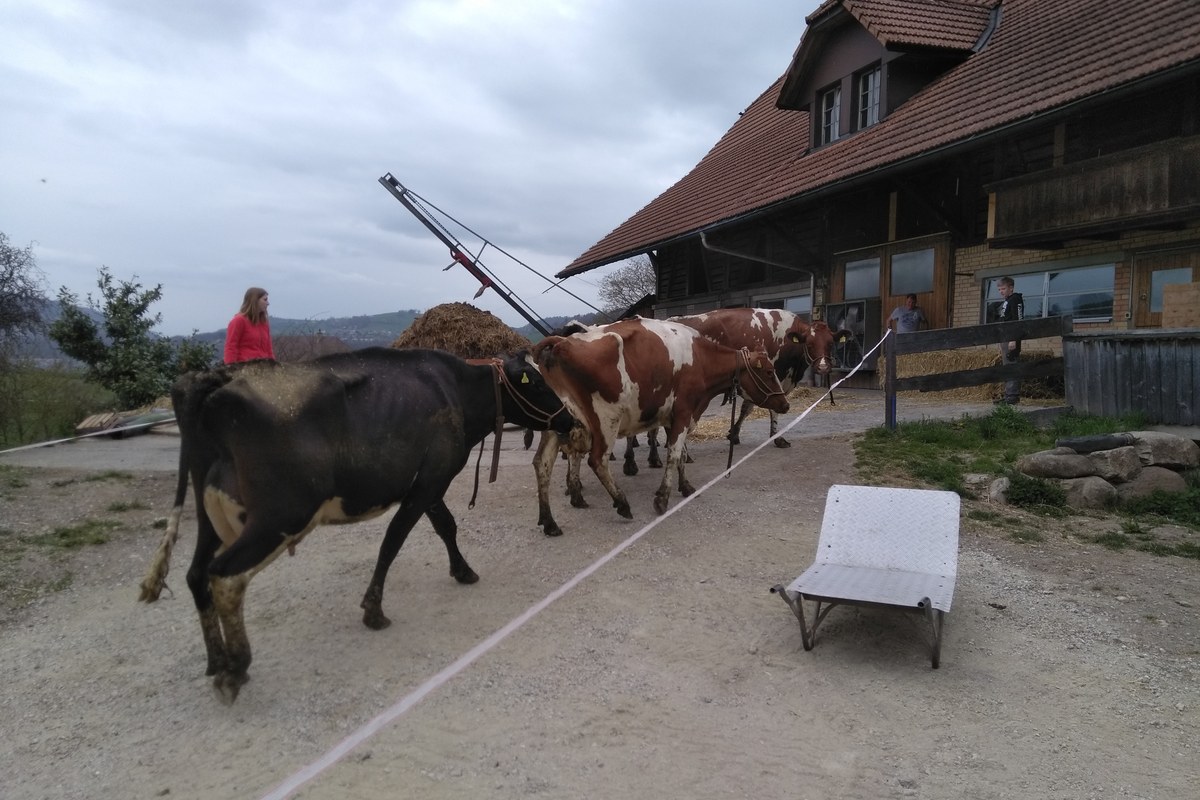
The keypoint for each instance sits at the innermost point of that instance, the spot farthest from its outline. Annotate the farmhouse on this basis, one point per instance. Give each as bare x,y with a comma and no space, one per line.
934,146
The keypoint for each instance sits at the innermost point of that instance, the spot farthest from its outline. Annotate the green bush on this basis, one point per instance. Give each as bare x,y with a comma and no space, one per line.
41,404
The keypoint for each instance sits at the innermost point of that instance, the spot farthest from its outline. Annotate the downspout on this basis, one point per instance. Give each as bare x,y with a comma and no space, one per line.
812,278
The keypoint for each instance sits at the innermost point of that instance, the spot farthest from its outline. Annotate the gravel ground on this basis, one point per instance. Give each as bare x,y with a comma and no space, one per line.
1067,671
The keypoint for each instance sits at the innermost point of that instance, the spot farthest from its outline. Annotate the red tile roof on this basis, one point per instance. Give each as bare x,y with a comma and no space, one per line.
1043,55
950,24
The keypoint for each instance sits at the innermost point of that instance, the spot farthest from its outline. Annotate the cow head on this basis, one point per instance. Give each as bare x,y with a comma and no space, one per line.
759,383
818,347
528,401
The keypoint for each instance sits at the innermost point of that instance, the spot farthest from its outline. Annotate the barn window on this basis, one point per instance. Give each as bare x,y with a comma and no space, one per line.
1086,293
831,115
866,98
862,278
912,272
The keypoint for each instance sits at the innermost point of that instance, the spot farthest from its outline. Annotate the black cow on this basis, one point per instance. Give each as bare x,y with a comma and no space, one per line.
274,450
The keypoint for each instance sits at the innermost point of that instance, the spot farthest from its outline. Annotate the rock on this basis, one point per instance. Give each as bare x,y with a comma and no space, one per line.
1166,450
1117,465
1061,462
1090,444
1089,492
1149,480
998,491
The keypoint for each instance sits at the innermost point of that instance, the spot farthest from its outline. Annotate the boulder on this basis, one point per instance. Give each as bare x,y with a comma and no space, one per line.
1119,465
1159,449
1061,462
998,491
1089,492
1151,479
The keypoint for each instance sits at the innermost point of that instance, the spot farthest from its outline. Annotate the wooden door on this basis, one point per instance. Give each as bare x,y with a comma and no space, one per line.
1151,273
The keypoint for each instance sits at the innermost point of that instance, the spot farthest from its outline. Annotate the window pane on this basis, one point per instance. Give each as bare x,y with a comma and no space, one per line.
1085,293
1082,280
912,272
831,103
862,278
868,98
801,304
1160,278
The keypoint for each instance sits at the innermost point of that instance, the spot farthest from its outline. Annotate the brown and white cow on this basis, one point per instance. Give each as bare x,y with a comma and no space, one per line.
636,374
796,347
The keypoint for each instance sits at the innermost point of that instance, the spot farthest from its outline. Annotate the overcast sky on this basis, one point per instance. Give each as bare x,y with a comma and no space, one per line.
211,145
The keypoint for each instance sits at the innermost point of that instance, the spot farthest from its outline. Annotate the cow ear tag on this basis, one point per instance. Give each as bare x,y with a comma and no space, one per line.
524,378
795,337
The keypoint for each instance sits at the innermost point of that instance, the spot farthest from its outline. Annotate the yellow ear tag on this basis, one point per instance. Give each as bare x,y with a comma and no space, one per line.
524,379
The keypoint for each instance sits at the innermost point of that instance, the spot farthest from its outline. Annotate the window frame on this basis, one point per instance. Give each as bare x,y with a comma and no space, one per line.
830,128
1045,297
867,100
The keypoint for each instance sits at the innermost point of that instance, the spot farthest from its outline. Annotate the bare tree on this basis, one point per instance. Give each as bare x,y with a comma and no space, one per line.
626,285
21,296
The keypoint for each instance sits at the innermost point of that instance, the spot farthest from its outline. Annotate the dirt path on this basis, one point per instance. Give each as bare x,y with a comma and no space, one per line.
1067,671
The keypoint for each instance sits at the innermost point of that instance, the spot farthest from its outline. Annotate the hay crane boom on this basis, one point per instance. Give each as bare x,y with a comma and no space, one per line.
459,253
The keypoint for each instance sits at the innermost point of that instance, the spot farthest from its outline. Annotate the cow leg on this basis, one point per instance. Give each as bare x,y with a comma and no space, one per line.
599,465
228,576
198,581
653,460
543,469
662,498
397,531
685,488
447,529
734,435
229,594
574,484
631,467
780,442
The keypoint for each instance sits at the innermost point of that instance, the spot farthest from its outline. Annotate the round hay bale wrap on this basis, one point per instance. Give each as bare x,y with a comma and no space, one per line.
461,329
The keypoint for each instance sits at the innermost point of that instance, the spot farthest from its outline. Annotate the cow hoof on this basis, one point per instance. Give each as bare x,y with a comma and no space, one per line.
227,685
552,530
688,459
631,467
374,619
577,501
467,576
660,505
733,438
622,507
656,463
686,489
781,442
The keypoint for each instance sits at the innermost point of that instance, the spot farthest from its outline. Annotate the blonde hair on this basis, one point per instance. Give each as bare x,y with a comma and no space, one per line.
249,308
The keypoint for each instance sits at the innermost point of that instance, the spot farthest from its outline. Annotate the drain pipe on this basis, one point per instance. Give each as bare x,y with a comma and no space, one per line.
812,278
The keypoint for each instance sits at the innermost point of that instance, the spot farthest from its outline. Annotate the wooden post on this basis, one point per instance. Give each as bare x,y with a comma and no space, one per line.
889,381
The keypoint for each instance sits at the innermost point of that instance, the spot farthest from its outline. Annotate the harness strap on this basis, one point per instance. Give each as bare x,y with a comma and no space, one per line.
499,421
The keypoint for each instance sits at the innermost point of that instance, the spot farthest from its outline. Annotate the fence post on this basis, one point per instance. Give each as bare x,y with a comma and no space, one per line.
889,383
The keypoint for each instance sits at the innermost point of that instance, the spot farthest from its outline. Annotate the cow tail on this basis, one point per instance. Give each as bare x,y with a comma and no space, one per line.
156,576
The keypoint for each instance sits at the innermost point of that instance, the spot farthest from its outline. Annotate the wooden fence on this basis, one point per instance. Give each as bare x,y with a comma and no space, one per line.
974,336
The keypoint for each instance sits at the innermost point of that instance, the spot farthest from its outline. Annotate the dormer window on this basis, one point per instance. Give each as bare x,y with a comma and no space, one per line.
866,99
831,114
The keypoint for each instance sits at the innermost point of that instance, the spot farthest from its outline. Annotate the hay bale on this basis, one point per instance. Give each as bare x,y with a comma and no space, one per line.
935,363
462,329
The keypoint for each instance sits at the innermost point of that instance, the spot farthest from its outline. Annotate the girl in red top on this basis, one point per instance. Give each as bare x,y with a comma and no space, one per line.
249,333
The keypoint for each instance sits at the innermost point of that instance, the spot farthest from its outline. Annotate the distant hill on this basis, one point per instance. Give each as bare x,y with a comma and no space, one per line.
357,332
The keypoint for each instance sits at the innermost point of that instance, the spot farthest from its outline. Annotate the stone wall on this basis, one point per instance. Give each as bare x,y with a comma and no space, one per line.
1101,471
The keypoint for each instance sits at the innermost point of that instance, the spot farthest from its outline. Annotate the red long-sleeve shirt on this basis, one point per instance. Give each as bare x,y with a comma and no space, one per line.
245,341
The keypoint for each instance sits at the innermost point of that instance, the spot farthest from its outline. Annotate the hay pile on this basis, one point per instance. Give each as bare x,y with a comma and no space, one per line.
800,398
461,329
964,359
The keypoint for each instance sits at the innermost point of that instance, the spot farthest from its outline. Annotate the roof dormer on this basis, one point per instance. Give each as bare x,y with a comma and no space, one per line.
860,59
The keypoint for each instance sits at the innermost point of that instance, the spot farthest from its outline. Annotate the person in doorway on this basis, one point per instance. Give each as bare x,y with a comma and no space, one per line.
1012,308
909,317
249,333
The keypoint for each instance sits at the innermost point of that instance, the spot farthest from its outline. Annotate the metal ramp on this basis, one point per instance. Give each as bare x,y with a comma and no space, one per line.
881,547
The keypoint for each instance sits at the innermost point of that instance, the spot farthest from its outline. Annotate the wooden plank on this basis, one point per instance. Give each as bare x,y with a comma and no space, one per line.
976,335
1046,368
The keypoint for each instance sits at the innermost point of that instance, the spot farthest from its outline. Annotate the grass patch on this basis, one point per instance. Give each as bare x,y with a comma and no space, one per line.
1179,507
1037,495
12,477
72,537
121,506
109,475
